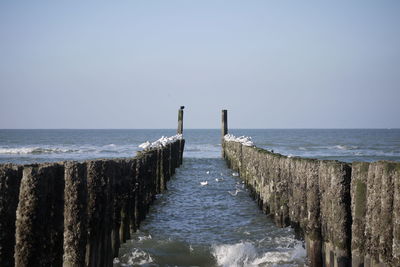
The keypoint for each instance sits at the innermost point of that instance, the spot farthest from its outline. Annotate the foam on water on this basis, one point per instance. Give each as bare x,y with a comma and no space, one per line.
235,255
157,251
134,258
37,150
246,254
345,147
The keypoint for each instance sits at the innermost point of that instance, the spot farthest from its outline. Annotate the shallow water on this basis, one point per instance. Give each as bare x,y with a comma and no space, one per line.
217,224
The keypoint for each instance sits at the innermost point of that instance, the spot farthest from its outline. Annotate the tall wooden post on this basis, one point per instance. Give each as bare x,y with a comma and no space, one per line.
180,120
224,129
224,123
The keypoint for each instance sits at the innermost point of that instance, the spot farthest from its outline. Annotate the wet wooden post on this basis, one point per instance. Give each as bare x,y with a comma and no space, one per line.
224,123
224,129
180,131
180,120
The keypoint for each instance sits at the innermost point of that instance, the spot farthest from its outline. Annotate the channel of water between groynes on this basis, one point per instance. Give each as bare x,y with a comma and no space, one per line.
217,224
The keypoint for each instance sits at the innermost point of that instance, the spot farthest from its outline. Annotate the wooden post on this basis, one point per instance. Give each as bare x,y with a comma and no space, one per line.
224,123
180,120
224,130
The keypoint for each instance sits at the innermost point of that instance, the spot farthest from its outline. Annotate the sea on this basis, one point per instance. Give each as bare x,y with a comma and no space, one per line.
193,224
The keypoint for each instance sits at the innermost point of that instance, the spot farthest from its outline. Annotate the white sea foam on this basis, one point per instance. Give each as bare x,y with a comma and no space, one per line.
110,145
245,254
271,258
162,142
239,254
344,147
36,150
245,140
144,237
117,262
135,257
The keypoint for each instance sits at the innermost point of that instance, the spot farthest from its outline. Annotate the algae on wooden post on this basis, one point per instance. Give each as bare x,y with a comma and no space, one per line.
396,216
39,223
359,206
75,214
10,180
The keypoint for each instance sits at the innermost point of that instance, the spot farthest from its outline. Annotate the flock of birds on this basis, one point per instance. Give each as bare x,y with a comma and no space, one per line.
245,140
162,142
239,185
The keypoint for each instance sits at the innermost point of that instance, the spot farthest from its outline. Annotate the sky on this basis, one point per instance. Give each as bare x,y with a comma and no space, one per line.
131,64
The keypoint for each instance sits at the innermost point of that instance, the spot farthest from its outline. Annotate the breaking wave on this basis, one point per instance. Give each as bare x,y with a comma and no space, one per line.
345,147
36,150
246,254
81,150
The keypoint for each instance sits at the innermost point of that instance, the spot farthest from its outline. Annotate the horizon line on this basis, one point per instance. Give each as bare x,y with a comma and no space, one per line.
273,128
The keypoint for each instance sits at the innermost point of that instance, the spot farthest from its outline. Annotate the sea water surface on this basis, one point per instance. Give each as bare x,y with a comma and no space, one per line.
27,146
217,224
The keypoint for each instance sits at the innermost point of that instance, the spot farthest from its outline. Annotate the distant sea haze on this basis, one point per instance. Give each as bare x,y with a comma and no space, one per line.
28,146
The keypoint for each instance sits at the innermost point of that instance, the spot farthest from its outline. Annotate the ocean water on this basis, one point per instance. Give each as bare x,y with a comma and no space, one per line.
27,146
217,224
337,144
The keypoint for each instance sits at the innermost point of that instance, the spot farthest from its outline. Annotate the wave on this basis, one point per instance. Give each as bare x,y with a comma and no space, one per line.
345,147
245,254
84,149
36,150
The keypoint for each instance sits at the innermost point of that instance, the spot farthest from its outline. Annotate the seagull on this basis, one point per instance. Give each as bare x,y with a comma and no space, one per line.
145,145
219,179
208,172
234,193
204,183
235,174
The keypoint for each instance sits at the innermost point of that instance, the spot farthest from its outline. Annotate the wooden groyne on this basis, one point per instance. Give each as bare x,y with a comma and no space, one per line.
348,214
78,213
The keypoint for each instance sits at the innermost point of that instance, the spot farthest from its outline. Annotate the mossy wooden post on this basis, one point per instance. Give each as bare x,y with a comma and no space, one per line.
10,180
75,214
180,120
224,129
39,216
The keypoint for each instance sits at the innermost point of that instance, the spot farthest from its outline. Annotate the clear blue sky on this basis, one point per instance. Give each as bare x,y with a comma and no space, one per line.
131,64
